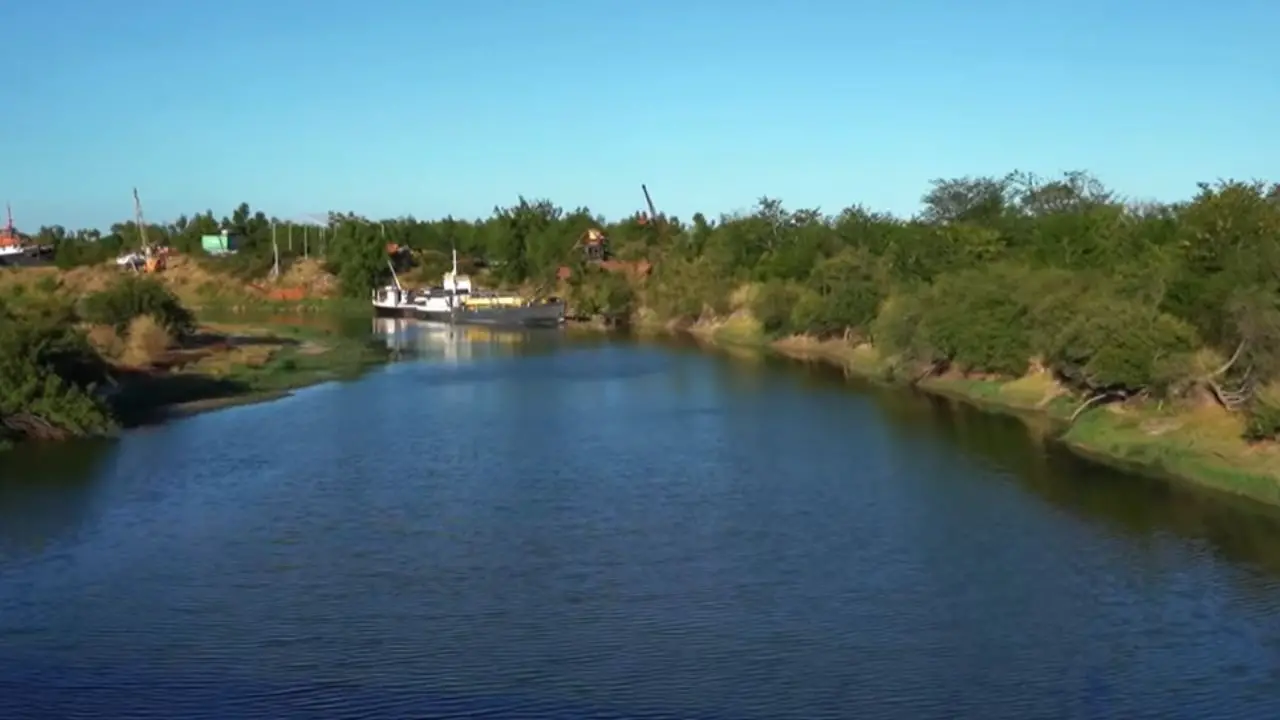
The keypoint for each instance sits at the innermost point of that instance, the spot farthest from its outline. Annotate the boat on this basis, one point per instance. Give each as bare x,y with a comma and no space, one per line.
456,302
394,301
16,250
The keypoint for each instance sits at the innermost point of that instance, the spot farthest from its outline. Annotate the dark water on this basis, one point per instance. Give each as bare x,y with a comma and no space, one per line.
541,527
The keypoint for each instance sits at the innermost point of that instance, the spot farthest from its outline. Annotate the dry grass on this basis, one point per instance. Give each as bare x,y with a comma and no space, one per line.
739,328
310,275
742,297
146,342
1037,388
860,358
183,274
1206,361
188,280
106,341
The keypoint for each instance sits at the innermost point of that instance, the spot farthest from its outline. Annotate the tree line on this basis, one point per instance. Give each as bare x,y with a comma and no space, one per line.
994,275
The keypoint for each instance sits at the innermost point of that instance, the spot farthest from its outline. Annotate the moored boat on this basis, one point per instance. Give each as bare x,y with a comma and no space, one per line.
394,301
17,249
456,302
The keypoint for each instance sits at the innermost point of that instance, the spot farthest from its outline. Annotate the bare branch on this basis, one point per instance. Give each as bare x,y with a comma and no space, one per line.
1234,357
1100,397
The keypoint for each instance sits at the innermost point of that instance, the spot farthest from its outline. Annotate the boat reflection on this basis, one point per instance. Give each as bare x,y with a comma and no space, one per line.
455,343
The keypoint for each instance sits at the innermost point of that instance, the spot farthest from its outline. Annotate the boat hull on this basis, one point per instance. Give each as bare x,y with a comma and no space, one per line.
26,258
395,311
542,315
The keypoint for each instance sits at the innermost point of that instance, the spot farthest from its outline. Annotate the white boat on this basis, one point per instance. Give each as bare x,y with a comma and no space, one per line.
16,249
393,301
15,254
456,302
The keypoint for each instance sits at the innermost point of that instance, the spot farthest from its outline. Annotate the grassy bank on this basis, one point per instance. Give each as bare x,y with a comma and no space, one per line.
234,364
1198,442
132,353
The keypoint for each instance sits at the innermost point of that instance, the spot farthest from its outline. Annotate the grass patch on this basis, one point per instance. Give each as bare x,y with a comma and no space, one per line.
739,329
1202,444
242,364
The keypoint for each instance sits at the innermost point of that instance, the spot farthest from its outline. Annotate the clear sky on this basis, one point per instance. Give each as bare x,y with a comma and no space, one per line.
434,107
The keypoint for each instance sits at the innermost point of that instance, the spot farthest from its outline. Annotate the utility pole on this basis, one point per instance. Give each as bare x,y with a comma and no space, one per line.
310,220
275,248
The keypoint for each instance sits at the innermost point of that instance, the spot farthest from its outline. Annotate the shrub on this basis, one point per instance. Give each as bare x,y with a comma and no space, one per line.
898,328
976,320
47,372
843,291
132,296
1262,416
1118,344
772,305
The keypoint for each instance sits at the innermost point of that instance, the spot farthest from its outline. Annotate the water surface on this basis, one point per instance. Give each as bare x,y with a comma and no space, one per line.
539,526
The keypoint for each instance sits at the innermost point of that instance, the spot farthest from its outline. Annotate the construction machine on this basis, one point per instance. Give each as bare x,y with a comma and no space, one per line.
148,258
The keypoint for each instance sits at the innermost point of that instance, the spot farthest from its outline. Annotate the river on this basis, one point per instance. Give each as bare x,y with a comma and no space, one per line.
541,526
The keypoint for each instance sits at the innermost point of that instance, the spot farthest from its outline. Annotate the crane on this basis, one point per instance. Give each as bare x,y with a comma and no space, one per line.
152,257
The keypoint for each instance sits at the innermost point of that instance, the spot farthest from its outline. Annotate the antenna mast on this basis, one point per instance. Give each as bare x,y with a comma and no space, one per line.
137,219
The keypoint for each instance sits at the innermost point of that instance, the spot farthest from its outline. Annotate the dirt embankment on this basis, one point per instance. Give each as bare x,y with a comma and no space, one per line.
196,283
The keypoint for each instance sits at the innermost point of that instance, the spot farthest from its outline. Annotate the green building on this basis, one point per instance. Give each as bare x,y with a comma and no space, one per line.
222,244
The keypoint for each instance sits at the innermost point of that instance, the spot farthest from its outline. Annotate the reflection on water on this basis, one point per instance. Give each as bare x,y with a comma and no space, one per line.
457,343
1240,529
47,495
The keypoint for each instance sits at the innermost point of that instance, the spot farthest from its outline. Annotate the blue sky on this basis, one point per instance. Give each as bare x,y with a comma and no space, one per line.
435,107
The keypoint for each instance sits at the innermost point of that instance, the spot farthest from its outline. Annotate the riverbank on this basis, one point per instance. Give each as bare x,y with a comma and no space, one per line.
237,363
147,376
1197,443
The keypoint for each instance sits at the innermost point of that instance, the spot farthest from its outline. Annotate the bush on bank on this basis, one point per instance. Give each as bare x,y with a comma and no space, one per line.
50,372
132,297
